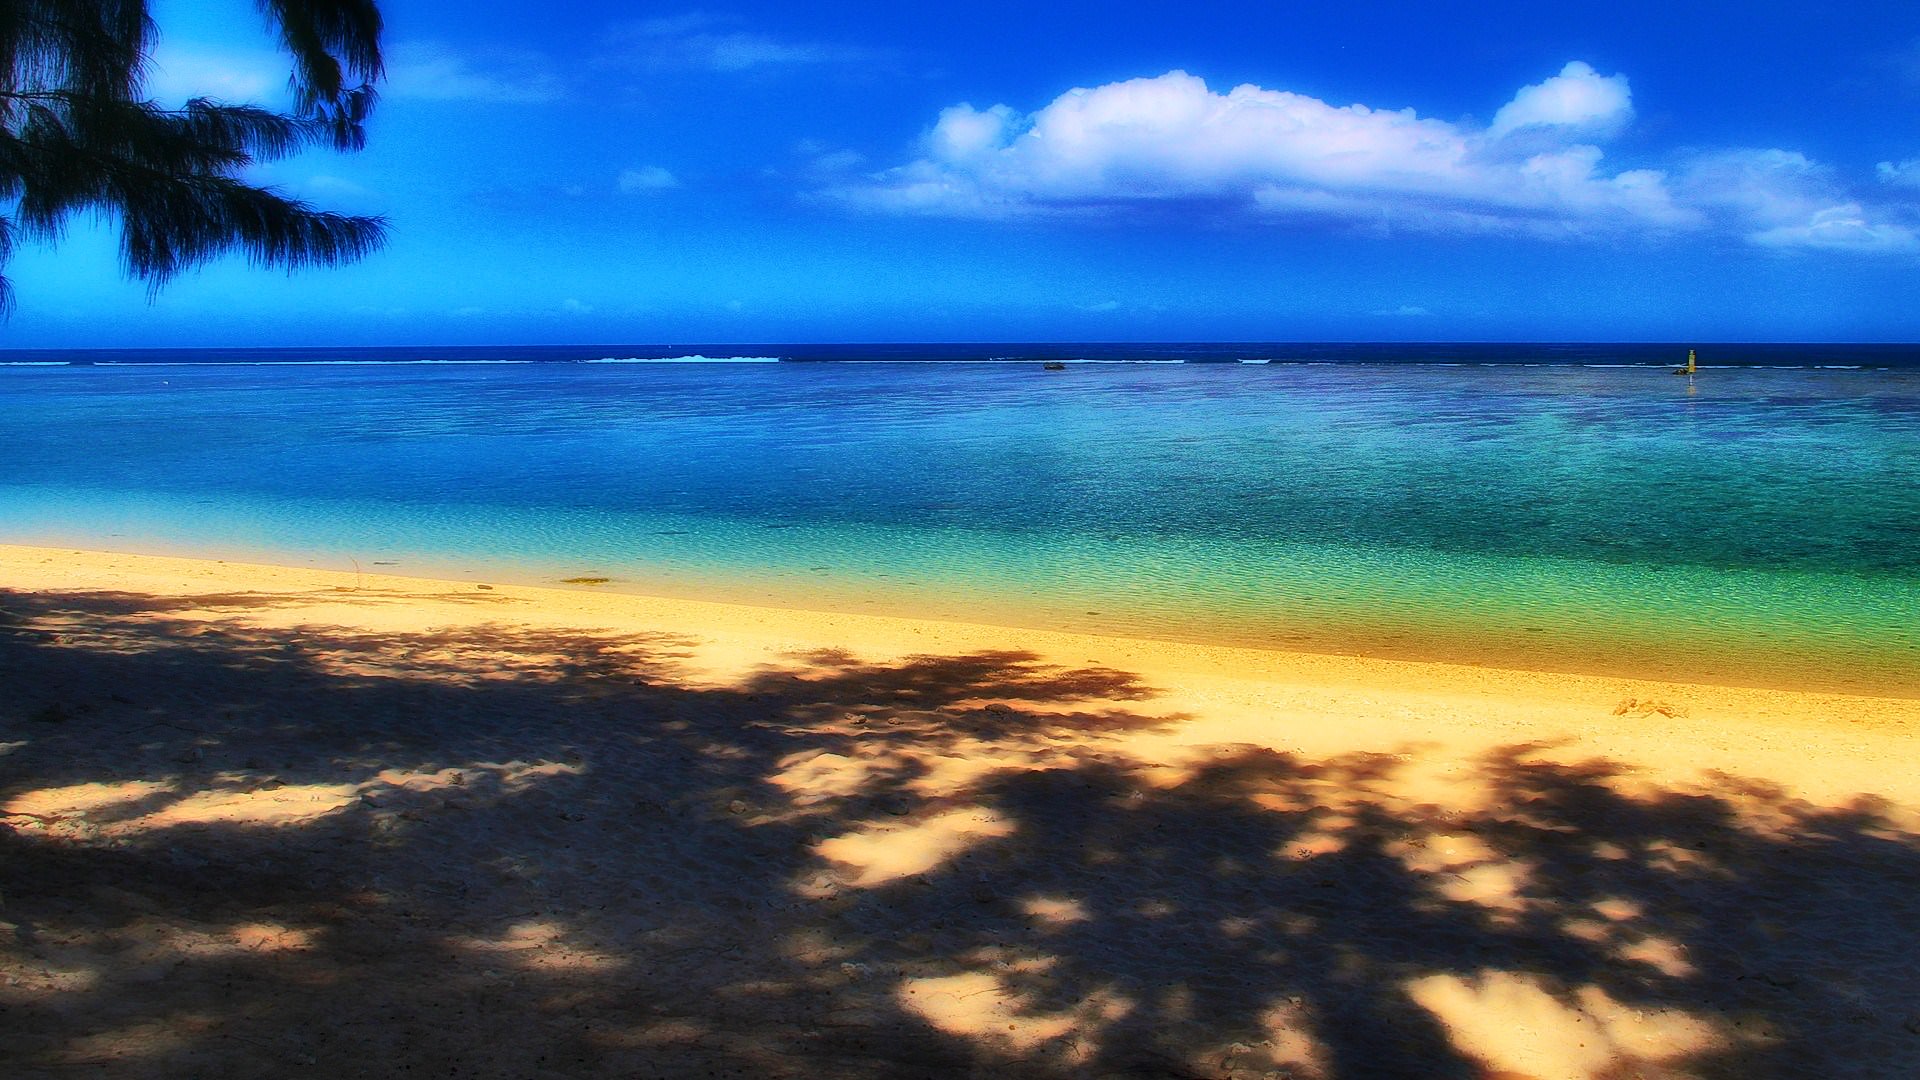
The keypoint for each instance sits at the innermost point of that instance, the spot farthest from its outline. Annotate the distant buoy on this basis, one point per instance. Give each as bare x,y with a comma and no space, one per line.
1690,368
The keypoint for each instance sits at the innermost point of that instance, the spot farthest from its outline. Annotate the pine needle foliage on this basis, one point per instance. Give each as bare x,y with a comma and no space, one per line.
78,135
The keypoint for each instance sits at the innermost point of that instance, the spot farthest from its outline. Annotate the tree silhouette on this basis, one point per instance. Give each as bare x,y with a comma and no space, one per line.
78,135
236,841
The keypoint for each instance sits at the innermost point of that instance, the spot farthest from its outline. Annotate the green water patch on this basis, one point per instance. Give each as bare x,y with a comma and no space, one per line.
1837,631
1843,632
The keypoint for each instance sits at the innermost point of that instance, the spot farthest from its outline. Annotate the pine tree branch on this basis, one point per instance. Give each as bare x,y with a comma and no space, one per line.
176,203
333,43
77,135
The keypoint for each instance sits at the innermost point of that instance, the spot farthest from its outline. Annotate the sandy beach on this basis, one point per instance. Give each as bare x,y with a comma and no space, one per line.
262,821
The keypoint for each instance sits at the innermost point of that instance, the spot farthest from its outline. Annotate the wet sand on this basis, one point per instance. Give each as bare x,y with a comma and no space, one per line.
270,821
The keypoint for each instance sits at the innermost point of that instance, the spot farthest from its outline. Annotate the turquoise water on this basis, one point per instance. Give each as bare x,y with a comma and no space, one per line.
1756,525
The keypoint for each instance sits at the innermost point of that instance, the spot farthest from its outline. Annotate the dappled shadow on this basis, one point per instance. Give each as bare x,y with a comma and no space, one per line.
490,850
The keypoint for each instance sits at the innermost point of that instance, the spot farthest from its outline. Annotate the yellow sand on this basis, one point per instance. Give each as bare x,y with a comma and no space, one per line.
271,821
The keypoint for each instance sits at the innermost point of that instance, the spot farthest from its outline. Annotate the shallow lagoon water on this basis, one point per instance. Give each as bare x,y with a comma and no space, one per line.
1755,525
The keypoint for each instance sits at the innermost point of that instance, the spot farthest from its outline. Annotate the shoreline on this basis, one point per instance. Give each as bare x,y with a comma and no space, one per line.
1583,651
736,636
509,831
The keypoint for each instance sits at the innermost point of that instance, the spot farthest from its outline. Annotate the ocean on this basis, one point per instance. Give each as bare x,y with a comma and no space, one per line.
1558,507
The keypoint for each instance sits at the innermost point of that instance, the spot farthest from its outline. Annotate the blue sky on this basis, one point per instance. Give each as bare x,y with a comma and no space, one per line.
601,172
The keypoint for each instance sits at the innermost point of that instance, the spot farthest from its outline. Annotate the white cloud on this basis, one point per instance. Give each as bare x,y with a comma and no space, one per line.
433,71
179,73
647,178
1766,186
1578,99
709,43
1782,199
1903,174
1172,139
962,133
1404,311
572,306
1843,228
1170,144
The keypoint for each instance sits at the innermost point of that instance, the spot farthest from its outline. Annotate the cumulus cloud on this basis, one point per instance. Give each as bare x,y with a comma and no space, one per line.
962,133
1173,139
1903,174
1766,184
1579,99
1172,144
1782,199
1846,227
433,71
647,178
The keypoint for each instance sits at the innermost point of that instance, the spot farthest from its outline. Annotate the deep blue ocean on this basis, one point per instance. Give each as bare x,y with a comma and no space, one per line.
1654,354
1567,507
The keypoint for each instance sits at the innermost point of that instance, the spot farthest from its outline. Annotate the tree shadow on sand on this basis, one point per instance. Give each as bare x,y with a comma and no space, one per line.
499,852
